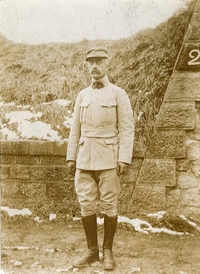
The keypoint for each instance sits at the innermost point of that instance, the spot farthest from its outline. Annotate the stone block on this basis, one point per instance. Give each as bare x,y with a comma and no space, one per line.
20,147
167,144
6,147
185,180
194,169
157,172
194,135
193,31
184,86
59,191
60,148
19,172
8,159
46,160
33,190
53,173
37,148
4,172
37,173
27,160
46,173
147,199
176,115
23,147
193,150
49,150
190,197
189,58
10,189
182,164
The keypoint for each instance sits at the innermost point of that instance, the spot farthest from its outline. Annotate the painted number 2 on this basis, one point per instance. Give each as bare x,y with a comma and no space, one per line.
195,56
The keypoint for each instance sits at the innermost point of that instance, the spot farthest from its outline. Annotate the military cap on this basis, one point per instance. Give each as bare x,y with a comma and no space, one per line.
97,52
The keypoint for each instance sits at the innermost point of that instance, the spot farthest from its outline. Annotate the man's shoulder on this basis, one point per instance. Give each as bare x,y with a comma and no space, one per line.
85,90
117,89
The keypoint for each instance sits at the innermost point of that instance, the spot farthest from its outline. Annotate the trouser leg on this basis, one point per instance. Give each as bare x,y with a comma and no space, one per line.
109,189
110,225
92,254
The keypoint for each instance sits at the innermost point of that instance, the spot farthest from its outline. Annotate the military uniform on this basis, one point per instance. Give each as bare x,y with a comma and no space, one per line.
101,137
102,131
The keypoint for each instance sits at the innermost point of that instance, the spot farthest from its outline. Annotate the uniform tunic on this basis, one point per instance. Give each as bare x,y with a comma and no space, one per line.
102,131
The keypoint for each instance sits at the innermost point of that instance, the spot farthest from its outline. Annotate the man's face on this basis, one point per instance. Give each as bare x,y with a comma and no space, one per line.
97,67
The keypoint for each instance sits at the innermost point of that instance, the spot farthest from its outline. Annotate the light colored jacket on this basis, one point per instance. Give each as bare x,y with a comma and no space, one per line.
102,132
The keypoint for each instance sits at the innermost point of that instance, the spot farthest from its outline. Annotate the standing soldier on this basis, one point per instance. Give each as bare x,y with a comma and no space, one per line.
99,150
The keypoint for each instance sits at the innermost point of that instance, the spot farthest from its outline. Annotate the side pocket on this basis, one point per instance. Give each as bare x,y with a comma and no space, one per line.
113,147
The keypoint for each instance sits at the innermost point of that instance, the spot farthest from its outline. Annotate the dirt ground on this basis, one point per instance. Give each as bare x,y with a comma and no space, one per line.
32,247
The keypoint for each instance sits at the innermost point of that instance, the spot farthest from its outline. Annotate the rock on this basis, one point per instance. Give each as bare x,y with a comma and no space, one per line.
135,269
17,263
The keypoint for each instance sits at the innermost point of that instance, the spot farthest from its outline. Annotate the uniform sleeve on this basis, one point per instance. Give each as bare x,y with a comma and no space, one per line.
75,132
125,127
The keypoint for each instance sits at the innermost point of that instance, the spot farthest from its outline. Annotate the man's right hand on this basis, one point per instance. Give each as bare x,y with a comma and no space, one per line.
71,167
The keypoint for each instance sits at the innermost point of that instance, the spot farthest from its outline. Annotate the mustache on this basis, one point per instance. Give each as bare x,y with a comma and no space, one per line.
94,71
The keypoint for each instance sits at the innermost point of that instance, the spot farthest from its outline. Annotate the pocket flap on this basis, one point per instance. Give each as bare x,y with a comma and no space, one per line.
111,141
84,104
108,104
81,141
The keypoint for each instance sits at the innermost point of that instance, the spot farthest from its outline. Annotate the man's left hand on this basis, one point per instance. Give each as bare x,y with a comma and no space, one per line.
122,168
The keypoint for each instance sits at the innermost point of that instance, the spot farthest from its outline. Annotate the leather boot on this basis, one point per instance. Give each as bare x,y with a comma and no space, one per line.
110,225
92,254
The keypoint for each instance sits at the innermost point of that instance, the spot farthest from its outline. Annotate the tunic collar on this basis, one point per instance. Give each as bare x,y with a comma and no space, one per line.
103,80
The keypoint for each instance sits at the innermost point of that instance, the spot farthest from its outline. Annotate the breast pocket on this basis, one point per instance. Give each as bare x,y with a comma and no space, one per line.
109,111
84,113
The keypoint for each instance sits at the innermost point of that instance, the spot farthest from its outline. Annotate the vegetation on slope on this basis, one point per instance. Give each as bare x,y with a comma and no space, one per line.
142,65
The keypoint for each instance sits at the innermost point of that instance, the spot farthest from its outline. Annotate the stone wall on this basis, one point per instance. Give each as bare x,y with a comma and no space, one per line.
34,175
169,178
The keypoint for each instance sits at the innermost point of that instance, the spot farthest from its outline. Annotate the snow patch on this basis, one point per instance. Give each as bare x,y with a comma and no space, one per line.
38,130
68,121
20,116
13,212
158,214
11,135
62,102
52,217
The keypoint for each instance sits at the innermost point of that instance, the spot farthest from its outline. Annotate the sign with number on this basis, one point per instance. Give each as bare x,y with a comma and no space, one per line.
194,54
189,58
